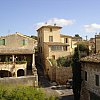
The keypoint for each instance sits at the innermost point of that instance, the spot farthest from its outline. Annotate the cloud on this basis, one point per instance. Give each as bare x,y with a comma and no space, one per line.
92,27
57,21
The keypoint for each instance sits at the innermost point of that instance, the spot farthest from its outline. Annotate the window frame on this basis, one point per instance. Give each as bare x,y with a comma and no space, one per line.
2,42
50,38
50,29
85,75
96,80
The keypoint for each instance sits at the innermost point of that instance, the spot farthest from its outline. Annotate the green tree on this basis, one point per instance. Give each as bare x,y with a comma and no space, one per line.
64,61
84,47
61,61
76,69
77,35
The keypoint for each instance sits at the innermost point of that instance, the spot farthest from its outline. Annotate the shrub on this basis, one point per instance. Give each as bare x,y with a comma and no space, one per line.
22,93
64,61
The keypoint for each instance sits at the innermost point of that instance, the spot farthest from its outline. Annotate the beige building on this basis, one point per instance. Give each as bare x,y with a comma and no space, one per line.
52,44
95,43
91,77
16,55
97,39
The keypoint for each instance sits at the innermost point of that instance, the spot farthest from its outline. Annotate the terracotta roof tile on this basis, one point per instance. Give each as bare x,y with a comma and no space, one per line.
92,58
56,43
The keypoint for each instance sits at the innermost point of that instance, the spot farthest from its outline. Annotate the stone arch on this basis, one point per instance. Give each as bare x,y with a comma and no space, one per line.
20,72
5,73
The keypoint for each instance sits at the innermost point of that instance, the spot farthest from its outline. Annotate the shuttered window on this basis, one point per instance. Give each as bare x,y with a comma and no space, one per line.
2,41
24,42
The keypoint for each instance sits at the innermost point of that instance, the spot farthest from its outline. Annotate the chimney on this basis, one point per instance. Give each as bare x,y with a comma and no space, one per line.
55,24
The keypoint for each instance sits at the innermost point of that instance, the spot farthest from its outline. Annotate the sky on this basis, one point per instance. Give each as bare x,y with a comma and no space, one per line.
75,16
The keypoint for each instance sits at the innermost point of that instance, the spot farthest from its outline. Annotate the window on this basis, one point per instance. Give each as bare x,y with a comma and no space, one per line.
65,48
50,29
53,56
85,76
41,49
50,38
39,40
24,42
56,48
66,40
2,41
97,80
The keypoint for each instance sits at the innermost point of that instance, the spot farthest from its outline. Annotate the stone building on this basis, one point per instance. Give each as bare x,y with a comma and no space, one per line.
52,44
91,77
16,55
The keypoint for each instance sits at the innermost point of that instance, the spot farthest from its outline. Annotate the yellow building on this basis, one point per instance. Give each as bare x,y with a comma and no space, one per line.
97,43
52,44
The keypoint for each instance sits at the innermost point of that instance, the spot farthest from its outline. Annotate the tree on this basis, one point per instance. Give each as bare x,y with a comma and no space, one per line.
83,47
77,35
76,69
64,61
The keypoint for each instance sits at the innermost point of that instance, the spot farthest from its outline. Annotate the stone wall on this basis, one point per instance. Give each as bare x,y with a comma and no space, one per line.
24,80
92,69
63,74
60,75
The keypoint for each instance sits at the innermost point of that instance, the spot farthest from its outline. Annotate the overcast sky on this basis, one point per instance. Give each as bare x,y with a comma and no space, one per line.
25,16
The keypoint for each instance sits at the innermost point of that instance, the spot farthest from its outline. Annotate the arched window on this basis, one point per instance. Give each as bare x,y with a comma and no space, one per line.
5,73
20,72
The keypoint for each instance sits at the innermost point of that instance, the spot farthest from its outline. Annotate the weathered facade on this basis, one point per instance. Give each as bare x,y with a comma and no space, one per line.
52,44
91,77
16,55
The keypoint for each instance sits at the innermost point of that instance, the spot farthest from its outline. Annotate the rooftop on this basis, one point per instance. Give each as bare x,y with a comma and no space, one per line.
92,58
57,43
16,51
49,26
65,36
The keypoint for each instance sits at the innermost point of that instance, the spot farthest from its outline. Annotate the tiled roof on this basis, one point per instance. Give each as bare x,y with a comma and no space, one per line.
17,33
92,58
49,26
56,43
83,42
16,51
65,36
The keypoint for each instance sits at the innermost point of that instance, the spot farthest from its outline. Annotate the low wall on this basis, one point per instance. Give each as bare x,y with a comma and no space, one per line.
23,80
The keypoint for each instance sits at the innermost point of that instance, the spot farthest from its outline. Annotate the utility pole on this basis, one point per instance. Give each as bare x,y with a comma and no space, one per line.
86,37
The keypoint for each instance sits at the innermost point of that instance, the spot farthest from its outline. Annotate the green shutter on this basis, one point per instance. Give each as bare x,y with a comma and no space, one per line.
23,41
2,41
